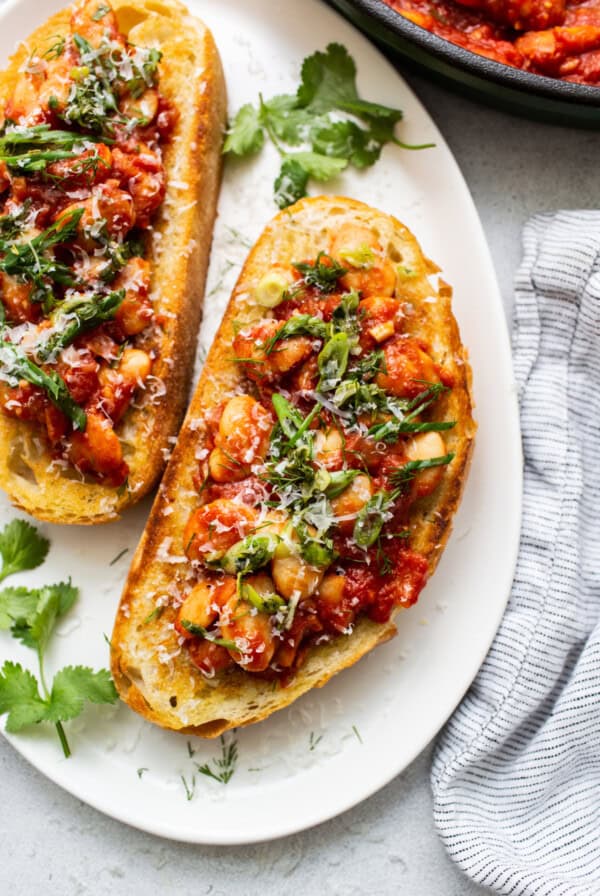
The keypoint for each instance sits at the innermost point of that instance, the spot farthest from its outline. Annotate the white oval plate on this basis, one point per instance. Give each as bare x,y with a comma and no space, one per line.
338,745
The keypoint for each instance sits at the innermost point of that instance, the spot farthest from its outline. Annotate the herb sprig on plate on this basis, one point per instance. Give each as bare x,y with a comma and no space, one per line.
31,615
321,129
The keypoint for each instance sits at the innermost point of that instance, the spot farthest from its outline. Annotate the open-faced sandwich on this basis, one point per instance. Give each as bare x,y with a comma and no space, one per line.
312,488
112,117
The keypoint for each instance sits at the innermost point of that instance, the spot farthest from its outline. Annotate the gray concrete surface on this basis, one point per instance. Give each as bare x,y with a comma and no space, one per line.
55,844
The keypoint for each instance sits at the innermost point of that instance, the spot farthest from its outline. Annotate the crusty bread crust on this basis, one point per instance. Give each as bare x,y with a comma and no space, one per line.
151,671
191,77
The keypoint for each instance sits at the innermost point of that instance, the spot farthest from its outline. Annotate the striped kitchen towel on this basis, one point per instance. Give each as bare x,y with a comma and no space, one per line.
516,772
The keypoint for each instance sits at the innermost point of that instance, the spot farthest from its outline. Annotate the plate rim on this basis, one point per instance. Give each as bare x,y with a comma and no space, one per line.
59,775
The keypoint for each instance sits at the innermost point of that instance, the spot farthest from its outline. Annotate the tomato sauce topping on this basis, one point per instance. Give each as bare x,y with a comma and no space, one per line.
81,178
307,479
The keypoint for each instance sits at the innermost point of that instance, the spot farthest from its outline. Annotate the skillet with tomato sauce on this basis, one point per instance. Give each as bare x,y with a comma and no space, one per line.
556,38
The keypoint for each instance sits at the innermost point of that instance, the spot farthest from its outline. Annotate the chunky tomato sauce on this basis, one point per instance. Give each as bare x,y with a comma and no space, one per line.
557,38
308,478
81,177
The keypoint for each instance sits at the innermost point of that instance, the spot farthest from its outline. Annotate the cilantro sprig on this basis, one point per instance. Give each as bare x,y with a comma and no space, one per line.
31,615
321,129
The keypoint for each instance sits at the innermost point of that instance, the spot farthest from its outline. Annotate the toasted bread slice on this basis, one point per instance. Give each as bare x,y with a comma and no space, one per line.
191,78
152,671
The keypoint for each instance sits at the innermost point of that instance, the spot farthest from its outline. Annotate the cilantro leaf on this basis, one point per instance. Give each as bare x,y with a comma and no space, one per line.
328,79
53,601
347,139
35,630
22,547
16,604
246,134
73,685
290,184
67,595
19,697
282,115
374,112
320,167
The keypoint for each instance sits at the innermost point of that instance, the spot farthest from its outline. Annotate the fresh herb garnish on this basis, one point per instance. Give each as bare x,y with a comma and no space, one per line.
372,517
15,366
405,417
223,767
156,613
356,732
323,273
14,222
118,557
22,547
298,325
403,475
103,74
77,315
56,49
29,150
264,603
320,129
190,788
314,741
31,615
333,361
141,771
200,632
29,261
100,13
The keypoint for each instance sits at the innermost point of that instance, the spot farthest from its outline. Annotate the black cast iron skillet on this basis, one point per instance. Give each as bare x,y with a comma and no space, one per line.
503,86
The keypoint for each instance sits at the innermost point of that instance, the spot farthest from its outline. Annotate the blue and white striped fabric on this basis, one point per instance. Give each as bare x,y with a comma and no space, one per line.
516,772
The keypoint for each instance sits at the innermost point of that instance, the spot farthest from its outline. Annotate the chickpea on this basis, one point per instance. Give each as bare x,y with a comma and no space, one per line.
119,384
135,311
328,448
144,107
252,633
98,450
426,446
245,429
242,439
369,271
351,501
199,607
85,21
76,173
331,606
290,352
16,297
407,367
215,527
262,583
224,468
135,365
259,366
107,209
294,577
